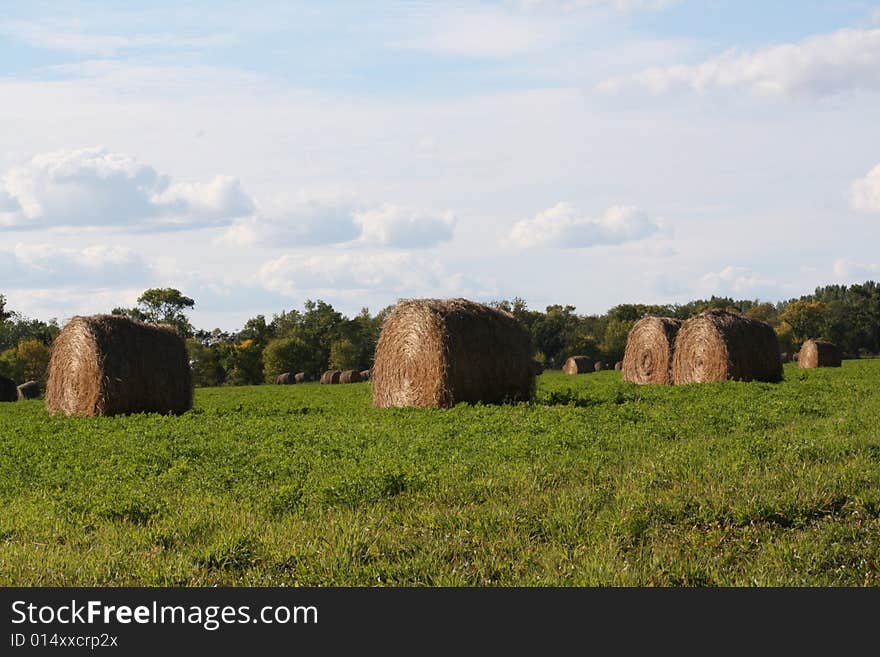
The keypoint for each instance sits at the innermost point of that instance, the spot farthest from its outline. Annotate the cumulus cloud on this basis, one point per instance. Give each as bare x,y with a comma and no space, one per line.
96,187
305,220
849,270
731,280
820,65
398,273
46,265
864,193
329,219
392,225
561,226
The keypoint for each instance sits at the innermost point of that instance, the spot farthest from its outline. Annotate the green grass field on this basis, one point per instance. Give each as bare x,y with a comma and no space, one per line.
595,483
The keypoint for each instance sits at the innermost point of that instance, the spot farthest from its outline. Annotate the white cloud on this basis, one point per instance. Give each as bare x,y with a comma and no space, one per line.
67,38
617,5
304,220
561,226
731,280
849,270
47,265
341,273
96,187
865,192
482,34
825,64
392,225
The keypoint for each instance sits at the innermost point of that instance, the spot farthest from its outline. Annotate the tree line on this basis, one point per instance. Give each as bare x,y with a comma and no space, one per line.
319,337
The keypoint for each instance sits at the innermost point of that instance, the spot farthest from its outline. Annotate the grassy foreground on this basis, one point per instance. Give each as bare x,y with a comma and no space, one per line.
597,482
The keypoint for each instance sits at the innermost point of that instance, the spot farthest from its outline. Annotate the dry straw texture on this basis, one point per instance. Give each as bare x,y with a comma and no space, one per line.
285,379
578,365
599,366
8,393
437,353
350,376
108,365
300,377
819,353
29,390
649,350
618,365
331,376
718,345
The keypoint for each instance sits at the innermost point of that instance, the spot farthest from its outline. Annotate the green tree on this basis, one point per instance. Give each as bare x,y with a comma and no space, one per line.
343,355
245,363
614,341
162,306
206,362
283,355
806,318
34,358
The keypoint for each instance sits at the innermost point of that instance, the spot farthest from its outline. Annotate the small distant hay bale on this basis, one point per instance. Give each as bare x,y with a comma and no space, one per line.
578,365
650,347
350,376
285,379
109,365
819,353
599,366
366,375
330,377
618,365
785,357
720,346
300,377
439,352
794,357
29,390
8,392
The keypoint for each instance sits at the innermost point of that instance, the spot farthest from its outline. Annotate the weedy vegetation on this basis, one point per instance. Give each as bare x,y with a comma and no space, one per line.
595,482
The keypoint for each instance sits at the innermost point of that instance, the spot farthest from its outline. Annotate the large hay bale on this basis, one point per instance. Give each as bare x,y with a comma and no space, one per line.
300,377
109,364
8,392
285,379
350,376
366,375
618,365
330,377
650,346
578,365
439,352
28,390
599,366
719,345
819,353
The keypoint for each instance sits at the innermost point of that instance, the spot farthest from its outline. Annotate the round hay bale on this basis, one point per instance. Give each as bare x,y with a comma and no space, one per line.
720,346
300,377
618,365
109,365
599,366
794,357
650,346
785,357
29,390
439,352
819,353
578,365
285,379
330,377
8,392
350,376
366,375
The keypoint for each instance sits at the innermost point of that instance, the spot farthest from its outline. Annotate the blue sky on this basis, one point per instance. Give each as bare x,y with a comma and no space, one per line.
590,152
